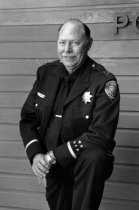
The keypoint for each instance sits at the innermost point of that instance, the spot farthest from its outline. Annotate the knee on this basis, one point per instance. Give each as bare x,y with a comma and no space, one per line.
93,157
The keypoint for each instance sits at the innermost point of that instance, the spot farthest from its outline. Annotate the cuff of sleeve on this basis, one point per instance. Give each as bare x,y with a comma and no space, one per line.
32,150
63,155
77,146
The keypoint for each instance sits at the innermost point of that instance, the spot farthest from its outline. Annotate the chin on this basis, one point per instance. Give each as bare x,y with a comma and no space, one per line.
69,64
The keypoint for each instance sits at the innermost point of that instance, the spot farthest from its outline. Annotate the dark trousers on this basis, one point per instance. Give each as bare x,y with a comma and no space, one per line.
80,185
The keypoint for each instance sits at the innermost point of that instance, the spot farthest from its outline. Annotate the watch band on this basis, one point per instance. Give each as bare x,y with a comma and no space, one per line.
51,158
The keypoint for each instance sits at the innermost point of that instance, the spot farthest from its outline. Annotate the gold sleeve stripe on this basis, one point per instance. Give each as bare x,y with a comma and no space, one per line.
71,150
31,142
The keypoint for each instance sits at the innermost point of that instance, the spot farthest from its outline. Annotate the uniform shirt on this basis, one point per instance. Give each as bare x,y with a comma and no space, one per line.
90,114
55,125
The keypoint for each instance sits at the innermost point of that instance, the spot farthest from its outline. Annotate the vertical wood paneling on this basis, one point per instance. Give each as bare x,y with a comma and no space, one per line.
28,34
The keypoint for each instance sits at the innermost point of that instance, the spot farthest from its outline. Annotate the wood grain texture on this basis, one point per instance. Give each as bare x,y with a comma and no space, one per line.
125,174
126,120
28,50
118,67
31,184
37,200
105,205
116,49
20,66
12,134
28,200
127,137
47,50
16,150
12,99
21,167
28,34
15,166
13,208
115,204
124,137
49,32
12,4
129,120
9,116
121,67
129,102
24,83
14,83
126,155
59,15
12,149
121,191
21,183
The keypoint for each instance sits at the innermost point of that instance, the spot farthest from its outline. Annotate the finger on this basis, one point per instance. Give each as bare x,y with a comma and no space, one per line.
37,171
44,163
42,181
42,168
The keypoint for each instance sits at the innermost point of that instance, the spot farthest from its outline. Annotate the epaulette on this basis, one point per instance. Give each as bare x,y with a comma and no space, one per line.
101,69
52,63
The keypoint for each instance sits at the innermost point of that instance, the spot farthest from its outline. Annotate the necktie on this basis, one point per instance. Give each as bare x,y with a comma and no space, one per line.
54,133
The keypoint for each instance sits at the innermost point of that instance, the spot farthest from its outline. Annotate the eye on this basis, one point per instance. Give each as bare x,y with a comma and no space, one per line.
62,42
75,43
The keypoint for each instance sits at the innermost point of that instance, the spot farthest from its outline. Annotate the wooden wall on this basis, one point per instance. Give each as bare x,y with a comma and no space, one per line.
28,33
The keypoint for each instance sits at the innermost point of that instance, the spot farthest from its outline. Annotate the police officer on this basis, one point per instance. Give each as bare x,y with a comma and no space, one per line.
68,123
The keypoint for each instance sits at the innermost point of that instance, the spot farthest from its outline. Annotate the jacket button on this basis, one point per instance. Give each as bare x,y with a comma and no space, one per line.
87,116
36,105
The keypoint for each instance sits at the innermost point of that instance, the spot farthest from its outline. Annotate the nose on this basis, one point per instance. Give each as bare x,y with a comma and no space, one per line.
68,47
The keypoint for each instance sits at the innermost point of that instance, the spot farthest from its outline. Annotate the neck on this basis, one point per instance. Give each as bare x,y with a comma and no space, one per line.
71,70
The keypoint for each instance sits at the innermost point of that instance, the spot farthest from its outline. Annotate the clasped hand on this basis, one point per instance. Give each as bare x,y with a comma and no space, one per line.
40,165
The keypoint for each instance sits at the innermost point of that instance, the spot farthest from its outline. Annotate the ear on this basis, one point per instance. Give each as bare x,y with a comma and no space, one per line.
90,41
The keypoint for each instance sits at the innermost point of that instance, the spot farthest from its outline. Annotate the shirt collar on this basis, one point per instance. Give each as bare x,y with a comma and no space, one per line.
71,77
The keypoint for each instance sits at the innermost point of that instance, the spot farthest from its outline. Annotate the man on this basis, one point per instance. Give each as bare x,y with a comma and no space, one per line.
68,123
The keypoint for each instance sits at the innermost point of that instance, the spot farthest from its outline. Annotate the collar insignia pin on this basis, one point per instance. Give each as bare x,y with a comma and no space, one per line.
87,97
40,95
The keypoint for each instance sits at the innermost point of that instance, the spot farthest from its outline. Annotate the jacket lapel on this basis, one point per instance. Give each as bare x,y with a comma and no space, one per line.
51,87
52,84
80,84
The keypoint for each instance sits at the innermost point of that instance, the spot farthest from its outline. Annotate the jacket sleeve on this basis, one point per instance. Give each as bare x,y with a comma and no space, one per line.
102,128
28,124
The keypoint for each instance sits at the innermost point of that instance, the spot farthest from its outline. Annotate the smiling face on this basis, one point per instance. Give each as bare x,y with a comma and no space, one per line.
72,45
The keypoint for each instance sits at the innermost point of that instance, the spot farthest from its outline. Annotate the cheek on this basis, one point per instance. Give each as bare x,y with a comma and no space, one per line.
59,50
81,51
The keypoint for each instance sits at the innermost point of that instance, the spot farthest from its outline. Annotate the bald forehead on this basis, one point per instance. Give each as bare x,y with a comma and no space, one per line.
71,25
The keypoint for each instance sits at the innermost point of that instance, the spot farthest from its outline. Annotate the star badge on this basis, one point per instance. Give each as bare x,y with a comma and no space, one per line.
87,97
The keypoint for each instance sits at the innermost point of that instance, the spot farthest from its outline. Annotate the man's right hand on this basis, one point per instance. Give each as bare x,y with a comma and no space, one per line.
40,165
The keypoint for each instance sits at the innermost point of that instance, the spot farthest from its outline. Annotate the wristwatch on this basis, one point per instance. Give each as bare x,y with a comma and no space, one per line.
50,157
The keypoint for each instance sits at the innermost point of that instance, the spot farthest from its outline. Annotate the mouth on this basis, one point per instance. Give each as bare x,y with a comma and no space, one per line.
68,56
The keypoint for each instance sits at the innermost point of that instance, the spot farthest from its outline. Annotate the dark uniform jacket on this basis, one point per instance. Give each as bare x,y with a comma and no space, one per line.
90,112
